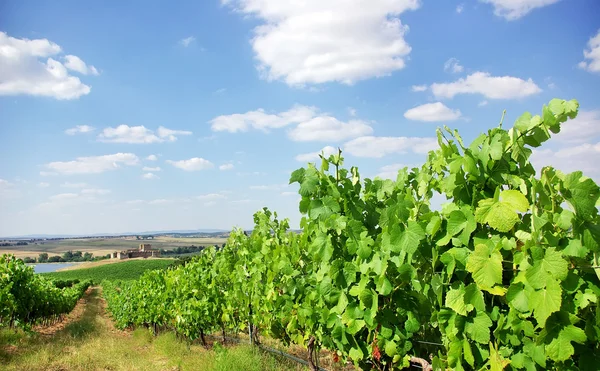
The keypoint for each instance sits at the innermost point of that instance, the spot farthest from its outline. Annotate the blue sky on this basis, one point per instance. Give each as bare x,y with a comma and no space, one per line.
152,115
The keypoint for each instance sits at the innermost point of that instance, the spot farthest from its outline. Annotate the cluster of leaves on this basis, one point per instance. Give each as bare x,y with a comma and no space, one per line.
505,275
27,298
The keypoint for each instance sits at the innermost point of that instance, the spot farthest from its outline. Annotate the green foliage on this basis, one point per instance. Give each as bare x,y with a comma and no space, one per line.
126,270
503,276
27,298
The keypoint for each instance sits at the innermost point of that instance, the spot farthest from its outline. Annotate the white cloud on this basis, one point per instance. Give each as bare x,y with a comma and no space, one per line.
152,158
352,111
193,164
73,185
187,41
314,156
460,8
593,54
582,157
139,135
220,91
288,193
74,63
43,185
170,135
432,112
576,147
329,129
128,134
453,65
226,167
391,171
260,120
314,41
482,103
419,87
150,176
23,70
311,125
377,147
147,168
515,9
94,164
492,87
585,127
48,173
95,191
79,129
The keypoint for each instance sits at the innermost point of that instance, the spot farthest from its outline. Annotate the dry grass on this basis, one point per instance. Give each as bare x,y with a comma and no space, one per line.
92,343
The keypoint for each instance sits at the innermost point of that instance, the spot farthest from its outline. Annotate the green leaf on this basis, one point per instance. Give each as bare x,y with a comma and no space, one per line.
455,299
485,266
384,287
523,122
474,297
410,238
575,248
297,176
564,219
457,221
390,348
517,297
502,215
467,353
552,265
546,301
356,353
560,348
310,181
478,328
583,194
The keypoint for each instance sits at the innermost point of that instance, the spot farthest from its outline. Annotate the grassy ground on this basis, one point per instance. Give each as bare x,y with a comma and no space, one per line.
92,343
103,246
119,270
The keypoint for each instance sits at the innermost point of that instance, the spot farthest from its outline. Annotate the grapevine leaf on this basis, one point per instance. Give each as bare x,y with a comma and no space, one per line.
310,181
455,299
478,328
457,221
390,348
502,215
517,297
485,266
523,122
384,287
546,301
467,353
410,238
297,175
575,248
474,297
560,348
552,265
582,193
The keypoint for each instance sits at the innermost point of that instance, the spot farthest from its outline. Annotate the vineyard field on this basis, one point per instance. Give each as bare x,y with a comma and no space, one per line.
123,270
505,276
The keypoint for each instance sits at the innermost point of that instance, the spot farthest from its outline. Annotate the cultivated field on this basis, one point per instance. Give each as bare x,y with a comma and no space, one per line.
103,246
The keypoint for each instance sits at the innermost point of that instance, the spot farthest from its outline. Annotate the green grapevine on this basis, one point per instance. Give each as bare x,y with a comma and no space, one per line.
27,298
505,276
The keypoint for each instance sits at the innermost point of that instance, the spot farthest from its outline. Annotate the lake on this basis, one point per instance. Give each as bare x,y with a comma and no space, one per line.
50,267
